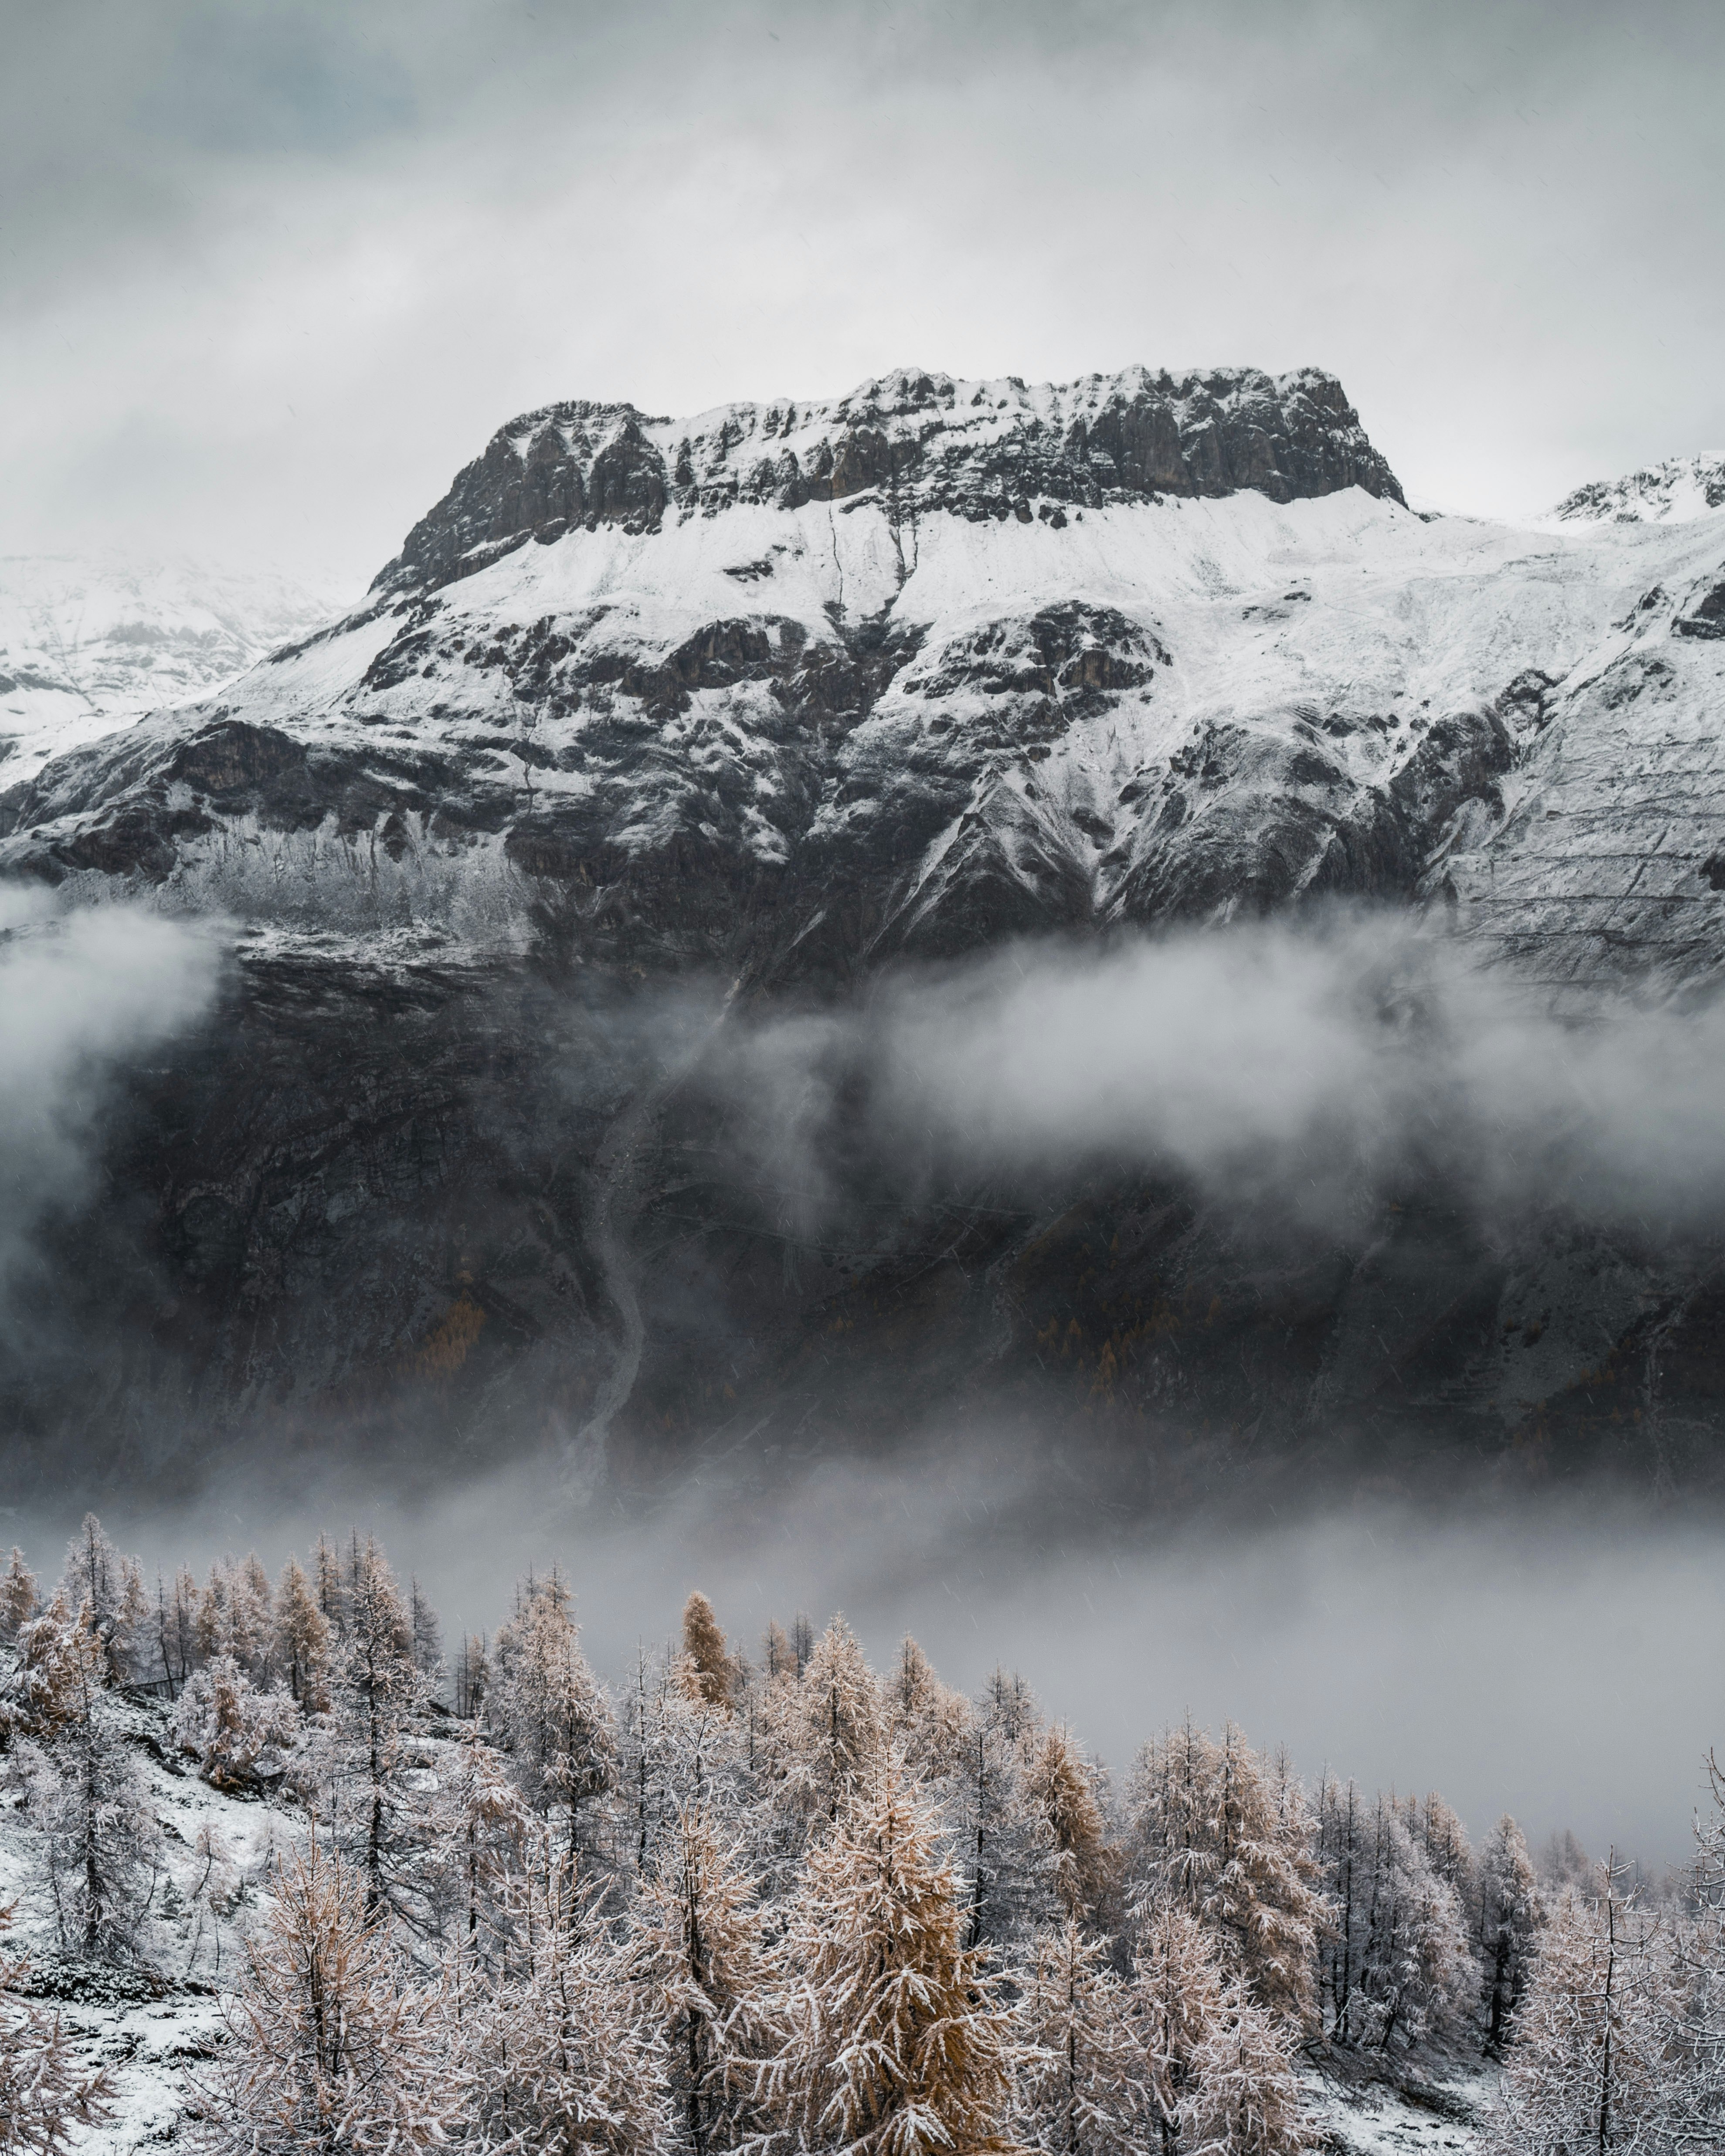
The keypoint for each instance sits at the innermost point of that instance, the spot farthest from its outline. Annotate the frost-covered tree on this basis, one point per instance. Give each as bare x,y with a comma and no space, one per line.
46,2096
55,1652
107,1589
1509,1917
234,1616
472,1677
1060,1788
1217,1830
932,1724
377,1694
1083,2085
1416,1971
709,1669
554,1718
177,1628
485,1828
235,1732
1002,1842
1218,2066
91,1812
300,1641
1344,1858
672,1749
329,1586
206,1890
896,2037
20,1596
698,1934
828,1729
1590,2066
325,2051
427,1637
557,2046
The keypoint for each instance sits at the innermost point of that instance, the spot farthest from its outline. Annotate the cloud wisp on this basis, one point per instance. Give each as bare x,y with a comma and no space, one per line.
81,993
1311,1069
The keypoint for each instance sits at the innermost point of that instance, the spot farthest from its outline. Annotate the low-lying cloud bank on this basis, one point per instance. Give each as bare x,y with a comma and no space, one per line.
1308,1067
81,993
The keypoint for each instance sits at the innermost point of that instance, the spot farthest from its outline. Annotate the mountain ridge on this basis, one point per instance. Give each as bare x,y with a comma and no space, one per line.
738,741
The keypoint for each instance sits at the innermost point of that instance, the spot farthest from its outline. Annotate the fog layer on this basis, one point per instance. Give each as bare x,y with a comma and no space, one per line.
81,994
1311,1067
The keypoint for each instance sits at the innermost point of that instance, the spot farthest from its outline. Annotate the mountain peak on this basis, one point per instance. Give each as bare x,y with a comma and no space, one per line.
1674,492
925,441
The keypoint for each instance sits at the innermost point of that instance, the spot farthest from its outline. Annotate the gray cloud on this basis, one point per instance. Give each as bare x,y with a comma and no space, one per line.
273,273
1312,1068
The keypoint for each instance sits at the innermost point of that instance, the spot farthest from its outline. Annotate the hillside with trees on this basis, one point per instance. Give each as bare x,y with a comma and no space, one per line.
283,1873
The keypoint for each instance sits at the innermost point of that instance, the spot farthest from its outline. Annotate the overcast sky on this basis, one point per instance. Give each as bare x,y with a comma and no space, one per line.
272,272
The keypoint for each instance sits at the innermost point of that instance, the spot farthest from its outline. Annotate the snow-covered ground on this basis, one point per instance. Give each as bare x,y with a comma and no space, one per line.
1415,2114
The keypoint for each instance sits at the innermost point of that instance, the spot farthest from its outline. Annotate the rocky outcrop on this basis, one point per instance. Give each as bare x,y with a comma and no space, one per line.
925,442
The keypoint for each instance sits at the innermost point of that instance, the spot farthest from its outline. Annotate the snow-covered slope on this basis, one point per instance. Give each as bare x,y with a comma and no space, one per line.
87,644
801,686
1668,493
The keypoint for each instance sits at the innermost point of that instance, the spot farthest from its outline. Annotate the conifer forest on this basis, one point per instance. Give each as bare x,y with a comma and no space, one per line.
759,1896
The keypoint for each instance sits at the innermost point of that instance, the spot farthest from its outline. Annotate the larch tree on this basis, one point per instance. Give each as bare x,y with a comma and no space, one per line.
46,2096
829,1727
1003,1840
486,1829
1219,2065
301,1644
1509,1919
325,2051
87,1802
100,1585
709,1670
896,2038
1083,2086
1344,1858
1059,1787
1215,1830
427,1637
932,1724
554,1718
55,1653
377,1694
177,1627
1416,1970
556,2045
20,1597
1589,2066
330,1586
238,1734
698,1948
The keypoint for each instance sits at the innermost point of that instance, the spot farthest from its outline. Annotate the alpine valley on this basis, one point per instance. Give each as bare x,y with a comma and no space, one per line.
656,724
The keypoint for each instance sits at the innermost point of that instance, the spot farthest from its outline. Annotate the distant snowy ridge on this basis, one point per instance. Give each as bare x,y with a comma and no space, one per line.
87,642
1673,492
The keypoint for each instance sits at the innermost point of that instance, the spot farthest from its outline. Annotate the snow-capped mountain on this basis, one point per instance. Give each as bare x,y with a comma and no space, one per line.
944,660
1669,493
780,694
87,644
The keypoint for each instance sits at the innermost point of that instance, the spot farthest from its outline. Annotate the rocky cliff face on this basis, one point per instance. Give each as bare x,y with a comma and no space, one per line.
762,703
